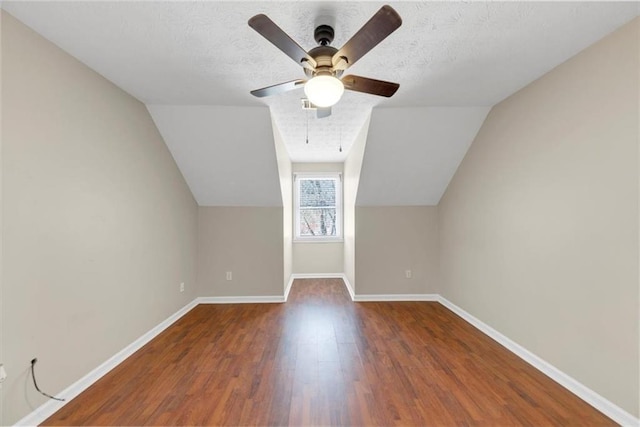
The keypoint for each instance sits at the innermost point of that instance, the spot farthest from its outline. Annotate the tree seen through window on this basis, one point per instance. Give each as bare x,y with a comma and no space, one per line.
317,208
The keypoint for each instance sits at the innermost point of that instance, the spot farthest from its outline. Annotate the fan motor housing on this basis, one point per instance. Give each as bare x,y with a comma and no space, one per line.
323,56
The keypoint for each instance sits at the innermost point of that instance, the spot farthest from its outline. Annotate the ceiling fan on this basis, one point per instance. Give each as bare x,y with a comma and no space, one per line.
324,64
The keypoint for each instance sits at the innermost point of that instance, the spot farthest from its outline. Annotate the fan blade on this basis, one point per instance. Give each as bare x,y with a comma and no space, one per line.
321,113
270,31
383,23
372,86
276,89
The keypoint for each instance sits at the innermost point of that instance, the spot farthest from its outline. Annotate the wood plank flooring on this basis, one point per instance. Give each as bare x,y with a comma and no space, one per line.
320,359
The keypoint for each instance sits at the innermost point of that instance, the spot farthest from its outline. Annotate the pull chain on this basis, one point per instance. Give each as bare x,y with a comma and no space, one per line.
307,113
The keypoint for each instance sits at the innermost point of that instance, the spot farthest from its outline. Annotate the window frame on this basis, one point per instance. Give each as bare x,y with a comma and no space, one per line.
297,177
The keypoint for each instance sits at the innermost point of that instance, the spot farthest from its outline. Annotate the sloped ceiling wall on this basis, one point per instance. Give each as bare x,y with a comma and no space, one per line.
226,154
412,153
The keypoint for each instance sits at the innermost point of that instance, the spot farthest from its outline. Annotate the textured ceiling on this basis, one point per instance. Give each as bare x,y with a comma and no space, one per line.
204,53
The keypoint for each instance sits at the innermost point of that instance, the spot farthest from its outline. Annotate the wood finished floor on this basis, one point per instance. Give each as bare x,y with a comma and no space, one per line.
321,359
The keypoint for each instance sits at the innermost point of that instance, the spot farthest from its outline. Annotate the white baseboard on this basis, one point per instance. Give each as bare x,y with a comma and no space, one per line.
50,407
603,405
288,288
396,297
317,276
349,287
241,300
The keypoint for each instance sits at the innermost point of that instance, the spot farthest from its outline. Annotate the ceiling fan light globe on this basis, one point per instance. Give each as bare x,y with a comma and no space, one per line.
324,91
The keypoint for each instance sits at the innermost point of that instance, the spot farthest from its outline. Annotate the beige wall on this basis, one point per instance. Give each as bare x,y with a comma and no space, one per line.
317,257
99,227
317,167
390,240
352,168
539,226
286,187
246,241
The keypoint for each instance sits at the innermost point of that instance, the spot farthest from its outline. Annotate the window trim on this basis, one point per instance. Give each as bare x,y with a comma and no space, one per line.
337,176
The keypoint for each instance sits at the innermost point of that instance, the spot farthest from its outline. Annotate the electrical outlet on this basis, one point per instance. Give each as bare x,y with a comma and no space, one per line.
407,274
182,287
229,275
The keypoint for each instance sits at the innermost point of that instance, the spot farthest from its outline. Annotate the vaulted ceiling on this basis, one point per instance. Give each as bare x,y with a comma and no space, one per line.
188,61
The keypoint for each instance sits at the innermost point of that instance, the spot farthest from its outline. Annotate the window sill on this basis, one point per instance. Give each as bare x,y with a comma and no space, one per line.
319,240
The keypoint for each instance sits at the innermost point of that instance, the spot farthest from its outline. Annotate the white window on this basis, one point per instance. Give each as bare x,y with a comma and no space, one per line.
318,207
